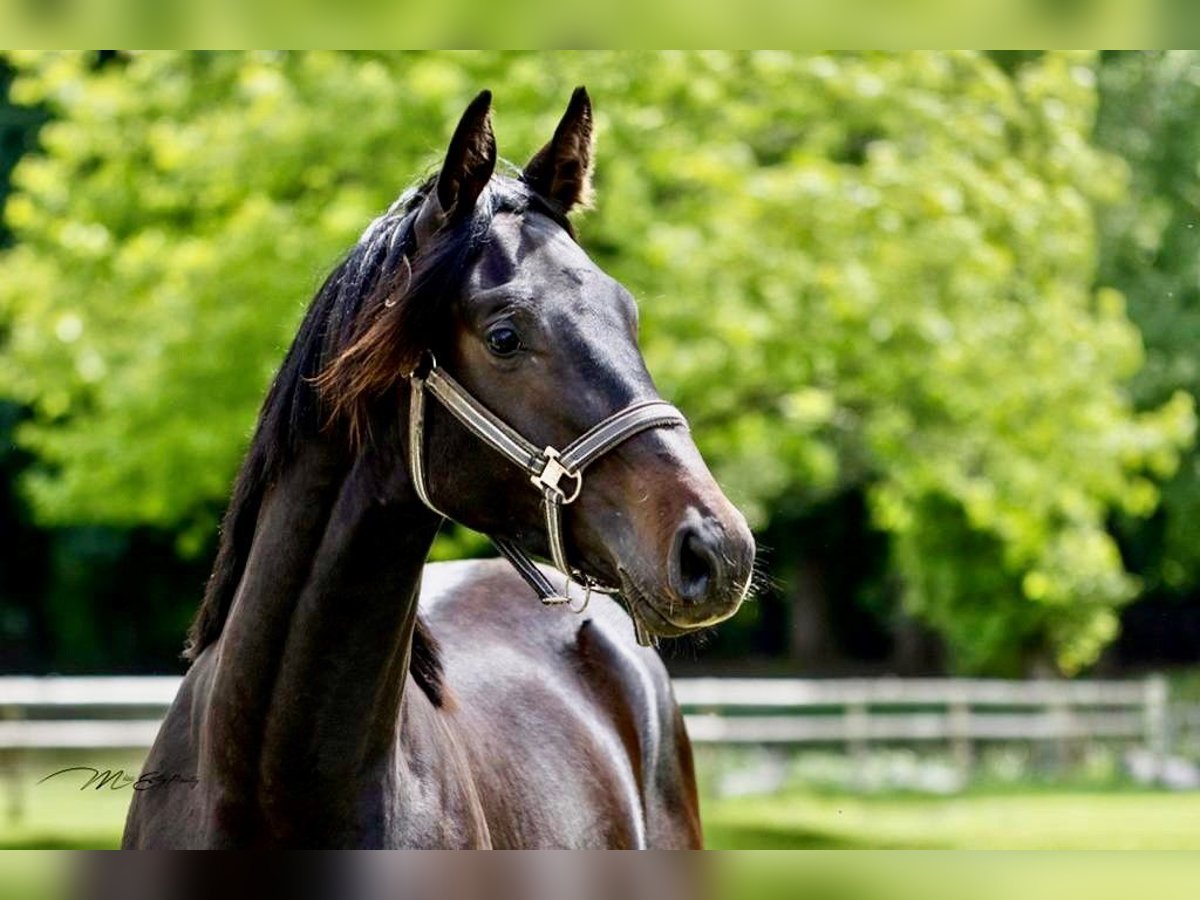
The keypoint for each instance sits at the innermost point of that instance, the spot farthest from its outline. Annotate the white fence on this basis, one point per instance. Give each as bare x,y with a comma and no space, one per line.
959,714
773,711
124,713
82,713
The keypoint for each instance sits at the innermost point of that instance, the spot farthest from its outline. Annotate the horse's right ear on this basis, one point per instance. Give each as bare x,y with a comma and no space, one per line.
470,161
562,170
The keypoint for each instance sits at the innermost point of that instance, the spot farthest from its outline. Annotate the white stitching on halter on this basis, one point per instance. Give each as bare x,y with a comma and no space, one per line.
547,467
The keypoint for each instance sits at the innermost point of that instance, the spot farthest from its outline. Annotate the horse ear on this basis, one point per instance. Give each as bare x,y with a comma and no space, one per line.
470,161
562,170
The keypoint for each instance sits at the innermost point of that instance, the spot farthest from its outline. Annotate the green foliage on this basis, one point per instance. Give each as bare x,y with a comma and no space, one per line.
17,128
856,272
1151,252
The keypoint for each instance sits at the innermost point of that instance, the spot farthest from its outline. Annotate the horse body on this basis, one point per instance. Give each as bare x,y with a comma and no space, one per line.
605,729
337,701
471,764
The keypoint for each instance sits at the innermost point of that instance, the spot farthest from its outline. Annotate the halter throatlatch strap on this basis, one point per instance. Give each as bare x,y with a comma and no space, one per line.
558,475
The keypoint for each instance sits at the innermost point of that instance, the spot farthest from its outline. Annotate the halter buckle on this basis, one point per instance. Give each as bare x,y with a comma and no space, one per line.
553,472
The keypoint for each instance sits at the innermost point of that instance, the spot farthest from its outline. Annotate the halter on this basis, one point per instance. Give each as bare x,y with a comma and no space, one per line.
557,474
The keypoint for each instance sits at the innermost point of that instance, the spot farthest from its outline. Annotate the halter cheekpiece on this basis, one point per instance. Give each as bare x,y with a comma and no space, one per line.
557,474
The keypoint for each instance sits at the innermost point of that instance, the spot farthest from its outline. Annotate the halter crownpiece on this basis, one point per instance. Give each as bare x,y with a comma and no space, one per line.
557,474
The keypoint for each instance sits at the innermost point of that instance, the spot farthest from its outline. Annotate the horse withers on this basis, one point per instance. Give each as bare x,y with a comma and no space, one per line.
344,694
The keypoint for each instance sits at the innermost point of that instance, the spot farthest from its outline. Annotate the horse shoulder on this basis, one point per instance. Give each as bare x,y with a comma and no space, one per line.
633,684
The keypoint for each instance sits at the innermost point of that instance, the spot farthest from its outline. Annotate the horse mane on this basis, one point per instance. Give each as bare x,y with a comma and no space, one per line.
365,328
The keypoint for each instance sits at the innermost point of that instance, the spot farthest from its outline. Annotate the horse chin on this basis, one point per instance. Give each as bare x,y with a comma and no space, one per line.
661,617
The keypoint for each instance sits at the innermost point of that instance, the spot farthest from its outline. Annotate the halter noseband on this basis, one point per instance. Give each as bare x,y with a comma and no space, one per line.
557,474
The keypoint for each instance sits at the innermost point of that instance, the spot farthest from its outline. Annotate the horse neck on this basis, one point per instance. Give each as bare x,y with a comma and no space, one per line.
313,659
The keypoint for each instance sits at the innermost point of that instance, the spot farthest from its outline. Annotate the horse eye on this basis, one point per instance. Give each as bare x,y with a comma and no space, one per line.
503,341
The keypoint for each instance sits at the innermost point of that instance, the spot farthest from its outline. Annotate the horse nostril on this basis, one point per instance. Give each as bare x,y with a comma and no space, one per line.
696,565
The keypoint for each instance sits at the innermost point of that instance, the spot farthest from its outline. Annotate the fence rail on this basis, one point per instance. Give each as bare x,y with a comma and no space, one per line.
800,693
959,712
124,712
17,692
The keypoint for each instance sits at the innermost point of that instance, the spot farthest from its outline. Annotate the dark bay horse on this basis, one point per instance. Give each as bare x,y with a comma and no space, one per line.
343,693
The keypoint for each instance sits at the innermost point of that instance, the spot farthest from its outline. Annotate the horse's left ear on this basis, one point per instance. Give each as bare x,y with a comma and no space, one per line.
562,170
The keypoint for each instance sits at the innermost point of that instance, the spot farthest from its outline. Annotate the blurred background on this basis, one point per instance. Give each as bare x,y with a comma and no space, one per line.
933,317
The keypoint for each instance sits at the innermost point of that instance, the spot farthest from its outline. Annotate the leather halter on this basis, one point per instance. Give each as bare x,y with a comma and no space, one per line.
557,474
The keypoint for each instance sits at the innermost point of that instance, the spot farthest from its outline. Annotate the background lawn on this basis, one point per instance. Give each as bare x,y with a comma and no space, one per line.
1031,820
58,814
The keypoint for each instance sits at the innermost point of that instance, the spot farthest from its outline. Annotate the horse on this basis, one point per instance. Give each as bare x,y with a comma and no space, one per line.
344,694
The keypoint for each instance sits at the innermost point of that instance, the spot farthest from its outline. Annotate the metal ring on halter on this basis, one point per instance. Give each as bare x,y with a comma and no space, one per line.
587,597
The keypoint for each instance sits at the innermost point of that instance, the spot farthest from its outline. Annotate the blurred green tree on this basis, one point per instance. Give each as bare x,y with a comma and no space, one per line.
1150,115
860,272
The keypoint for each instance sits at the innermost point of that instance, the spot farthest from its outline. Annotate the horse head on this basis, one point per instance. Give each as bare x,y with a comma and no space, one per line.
479,274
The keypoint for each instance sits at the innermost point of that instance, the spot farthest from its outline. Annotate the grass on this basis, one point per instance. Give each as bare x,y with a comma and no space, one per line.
1028,820
61,813
58,814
